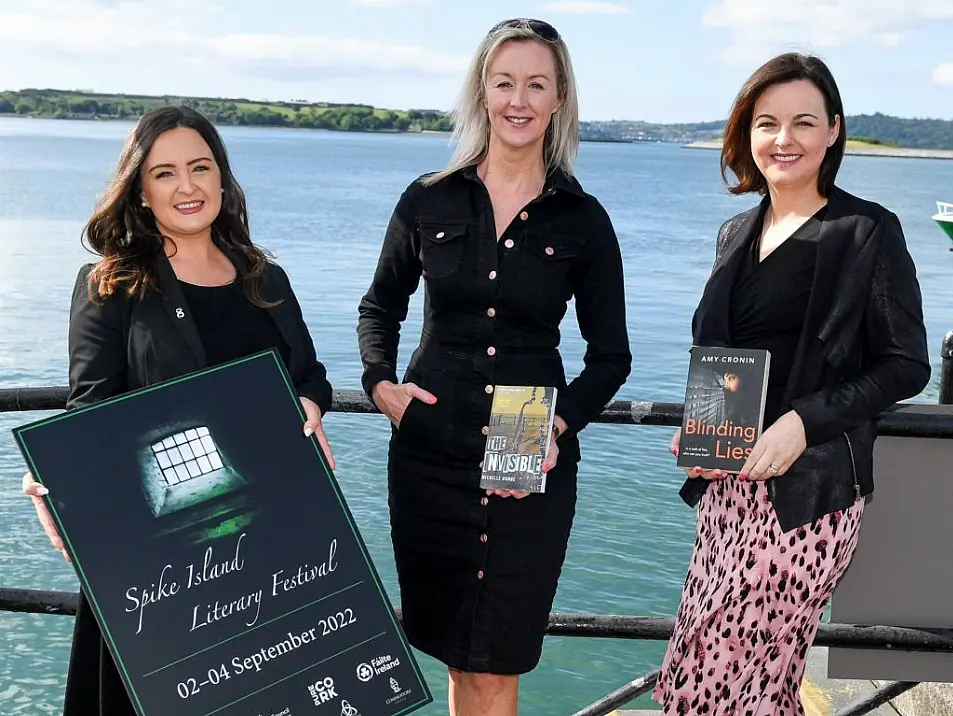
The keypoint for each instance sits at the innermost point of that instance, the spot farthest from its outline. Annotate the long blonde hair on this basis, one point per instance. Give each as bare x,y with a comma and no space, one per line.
471,125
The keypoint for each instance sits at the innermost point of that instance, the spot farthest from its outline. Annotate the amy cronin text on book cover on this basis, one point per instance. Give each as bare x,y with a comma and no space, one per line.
724,407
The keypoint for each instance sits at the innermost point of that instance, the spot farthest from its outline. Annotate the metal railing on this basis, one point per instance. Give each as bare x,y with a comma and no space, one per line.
620,412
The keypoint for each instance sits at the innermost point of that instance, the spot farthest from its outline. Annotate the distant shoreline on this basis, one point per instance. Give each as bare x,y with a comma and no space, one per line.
869,151
436,132
853,147
132,120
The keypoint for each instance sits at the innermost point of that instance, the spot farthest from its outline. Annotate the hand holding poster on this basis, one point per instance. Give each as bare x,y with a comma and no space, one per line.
218,554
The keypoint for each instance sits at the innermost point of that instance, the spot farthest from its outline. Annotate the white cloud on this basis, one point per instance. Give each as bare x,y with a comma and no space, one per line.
943,74
759,28
392,3
585,7
278,56
124,29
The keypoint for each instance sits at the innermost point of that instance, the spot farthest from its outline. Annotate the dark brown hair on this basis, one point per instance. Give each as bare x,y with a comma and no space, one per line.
736,147
125,234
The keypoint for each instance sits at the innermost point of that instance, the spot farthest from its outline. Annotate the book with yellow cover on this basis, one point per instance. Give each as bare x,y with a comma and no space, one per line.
520,433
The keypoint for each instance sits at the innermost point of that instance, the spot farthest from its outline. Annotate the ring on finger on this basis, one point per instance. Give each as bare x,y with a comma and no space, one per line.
774,469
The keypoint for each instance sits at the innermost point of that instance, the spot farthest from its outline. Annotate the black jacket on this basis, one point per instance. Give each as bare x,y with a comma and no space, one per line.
120,344
862,348
493,308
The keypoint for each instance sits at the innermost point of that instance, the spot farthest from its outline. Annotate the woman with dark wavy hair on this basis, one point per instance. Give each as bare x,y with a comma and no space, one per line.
179,286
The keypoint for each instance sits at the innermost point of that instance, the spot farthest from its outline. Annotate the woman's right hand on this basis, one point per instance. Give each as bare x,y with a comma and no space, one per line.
35,491
392,400
694,472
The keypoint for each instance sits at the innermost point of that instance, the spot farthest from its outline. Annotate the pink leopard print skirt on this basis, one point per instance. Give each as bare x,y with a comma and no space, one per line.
751,605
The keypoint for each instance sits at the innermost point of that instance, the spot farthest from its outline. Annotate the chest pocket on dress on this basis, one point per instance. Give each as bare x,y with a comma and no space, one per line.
441,247
547,258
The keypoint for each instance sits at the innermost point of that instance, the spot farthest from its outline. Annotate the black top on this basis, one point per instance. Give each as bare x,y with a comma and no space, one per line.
230,325
769,301
865,349
117,344
493,307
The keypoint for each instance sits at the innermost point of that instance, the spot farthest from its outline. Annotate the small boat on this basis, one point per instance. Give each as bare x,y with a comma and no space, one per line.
944,217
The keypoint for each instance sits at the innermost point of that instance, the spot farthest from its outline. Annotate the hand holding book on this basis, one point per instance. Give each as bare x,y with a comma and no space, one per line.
777,449
694,472
559,427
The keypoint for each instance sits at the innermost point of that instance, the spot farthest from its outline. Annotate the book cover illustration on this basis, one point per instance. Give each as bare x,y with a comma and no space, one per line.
724,407
520,430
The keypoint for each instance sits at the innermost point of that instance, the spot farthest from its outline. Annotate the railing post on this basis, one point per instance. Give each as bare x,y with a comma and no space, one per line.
946,370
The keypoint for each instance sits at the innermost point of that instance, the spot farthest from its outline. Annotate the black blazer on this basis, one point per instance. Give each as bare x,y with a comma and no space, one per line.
118,344
862,348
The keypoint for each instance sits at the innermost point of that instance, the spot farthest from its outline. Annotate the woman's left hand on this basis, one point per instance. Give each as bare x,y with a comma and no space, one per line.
313,425
777,449
548,464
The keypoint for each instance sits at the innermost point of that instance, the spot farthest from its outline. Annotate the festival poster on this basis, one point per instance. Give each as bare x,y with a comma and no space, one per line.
218,554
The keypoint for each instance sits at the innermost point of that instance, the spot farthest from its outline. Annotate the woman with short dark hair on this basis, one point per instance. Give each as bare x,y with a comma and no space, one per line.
823,280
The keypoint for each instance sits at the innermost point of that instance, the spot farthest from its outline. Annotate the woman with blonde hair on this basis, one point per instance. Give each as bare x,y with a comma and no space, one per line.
504,237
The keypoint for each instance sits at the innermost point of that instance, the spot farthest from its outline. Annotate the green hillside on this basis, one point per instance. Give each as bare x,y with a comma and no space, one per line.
873,129
60,104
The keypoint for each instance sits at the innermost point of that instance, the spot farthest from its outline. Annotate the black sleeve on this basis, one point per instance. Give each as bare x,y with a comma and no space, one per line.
384,307
97,348
311,376
895,346
599,288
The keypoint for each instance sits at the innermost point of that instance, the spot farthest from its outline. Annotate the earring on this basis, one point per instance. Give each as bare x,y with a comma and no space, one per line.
145,203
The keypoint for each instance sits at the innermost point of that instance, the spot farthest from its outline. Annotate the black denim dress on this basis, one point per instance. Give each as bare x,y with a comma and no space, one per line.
478,575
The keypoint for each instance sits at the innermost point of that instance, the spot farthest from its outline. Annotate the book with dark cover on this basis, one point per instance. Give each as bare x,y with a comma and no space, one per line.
520,433
724,407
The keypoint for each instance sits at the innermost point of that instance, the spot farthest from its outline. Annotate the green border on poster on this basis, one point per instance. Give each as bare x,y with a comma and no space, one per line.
19,431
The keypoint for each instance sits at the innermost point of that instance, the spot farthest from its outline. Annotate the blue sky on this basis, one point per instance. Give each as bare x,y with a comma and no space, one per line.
656,60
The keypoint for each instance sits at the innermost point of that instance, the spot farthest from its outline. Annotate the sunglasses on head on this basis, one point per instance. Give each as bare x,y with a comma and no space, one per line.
543,29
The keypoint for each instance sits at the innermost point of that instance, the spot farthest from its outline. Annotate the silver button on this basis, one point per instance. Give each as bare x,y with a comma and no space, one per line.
492,275
485,430
508,243
489,391
484,538
491,351
484,501
549,251
440,234
491,312
524,215
480,574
